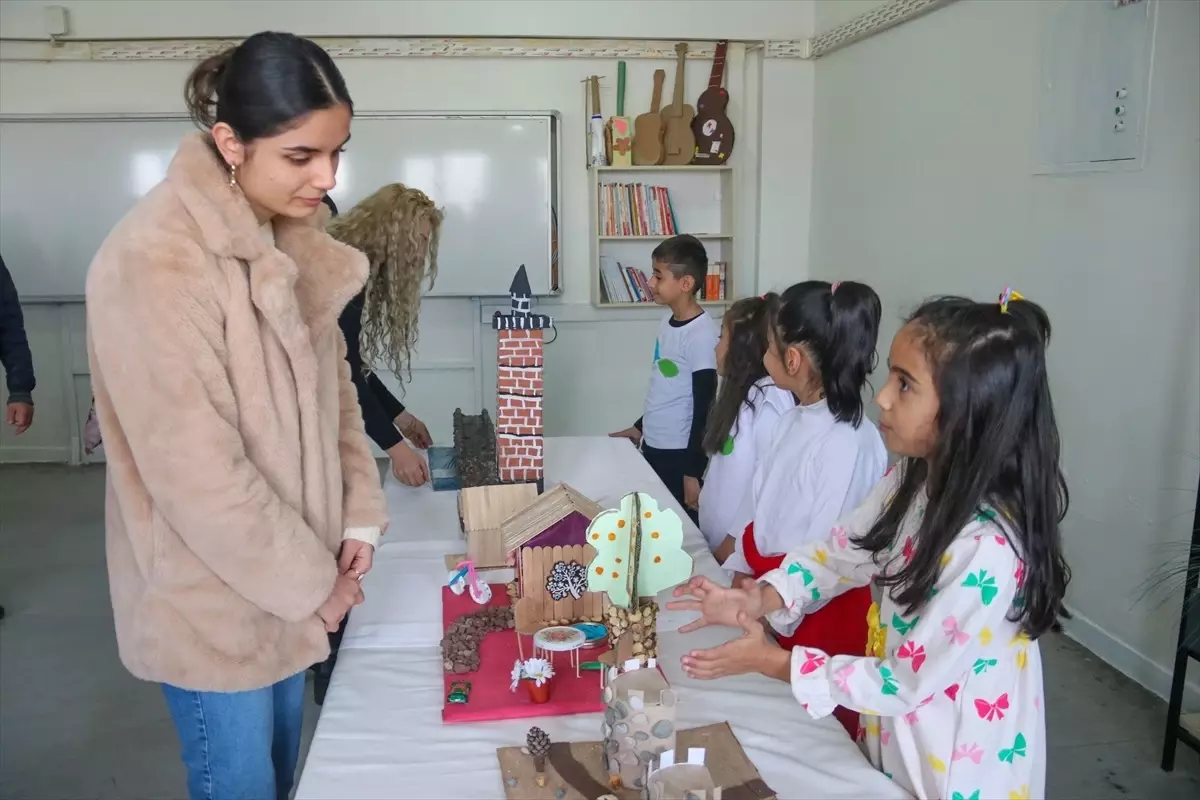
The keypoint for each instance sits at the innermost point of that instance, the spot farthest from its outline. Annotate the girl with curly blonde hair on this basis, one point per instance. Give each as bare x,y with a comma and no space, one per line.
398,229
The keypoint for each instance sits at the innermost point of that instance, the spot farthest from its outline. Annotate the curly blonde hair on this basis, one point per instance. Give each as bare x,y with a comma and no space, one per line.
398,229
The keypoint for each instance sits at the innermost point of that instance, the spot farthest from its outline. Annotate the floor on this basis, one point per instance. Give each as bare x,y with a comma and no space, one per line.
74,724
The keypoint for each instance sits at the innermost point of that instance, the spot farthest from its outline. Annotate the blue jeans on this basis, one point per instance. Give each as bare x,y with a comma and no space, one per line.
240,745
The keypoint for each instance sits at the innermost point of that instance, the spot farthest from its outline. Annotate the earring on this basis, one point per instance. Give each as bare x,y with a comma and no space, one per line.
233,176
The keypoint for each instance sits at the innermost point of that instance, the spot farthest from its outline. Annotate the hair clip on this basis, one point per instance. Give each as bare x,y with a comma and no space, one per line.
1009,295
833,287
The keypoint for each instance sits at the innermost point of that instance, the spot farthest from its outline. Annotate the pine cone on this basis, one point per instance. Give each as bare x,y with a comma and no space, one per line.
539,747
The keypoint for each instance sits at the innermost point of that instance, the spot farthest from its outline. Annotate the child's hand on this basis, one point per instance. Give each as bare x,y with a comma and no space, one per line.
716,604
632,434
753,651
691,492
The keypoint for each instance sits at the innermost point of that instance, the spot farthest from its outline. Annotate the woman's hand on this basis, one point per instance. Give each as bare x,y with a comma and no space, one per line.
346,594
691,492
356,558
414,430
716,604
408,465
753,651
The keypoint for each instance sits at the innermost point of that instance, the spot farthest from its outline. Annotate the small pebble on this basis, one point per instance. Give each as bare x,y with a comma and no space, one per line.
560,793
510,783
524,751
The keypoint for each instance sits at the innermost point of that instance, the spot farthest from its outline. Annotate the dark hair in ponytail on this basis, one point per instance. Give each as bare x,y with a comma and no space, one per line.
264,86
745,323
997,450
837,325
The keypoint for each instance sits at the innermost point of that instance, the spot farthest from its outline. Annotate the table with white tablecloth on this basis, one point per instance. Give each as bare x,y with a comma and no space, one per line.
381,734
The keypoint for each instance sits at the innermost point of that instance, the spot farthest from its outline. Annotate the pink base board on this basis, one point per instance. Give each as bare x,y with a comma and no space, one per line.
491,698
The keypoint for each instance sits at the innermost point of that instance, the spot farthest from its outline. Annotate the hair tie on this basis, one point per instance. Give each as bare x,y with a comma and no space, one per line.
833,287
1009,295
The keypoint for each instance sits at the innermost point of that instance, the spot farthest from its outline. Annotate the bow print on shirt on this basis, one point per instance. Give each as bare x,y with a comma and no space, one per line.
992,712
1018,749
951,629
969,752
915,652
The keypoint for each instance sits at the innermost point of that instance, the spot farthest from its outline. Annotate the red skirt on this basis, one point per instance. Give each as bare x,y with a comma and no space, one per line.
839,628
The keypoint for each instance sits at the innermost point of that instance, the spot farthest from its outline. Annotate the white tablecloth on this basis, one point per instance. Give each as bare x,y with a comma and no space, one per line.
380,734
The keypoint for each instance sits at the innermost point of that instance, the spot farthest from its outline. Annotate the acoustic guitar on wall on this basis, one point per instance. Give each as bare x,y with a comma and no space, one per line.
678,140
648,128
712,128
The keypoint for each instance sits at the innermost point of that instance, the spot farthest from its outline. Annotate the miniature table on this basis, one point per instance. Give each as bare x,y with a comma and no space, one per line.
560,639
380,734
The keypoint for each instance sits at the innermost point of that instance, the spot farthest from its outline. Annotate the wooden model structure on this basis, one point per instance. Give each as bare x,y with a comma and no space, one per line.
639,722
501,468
681,780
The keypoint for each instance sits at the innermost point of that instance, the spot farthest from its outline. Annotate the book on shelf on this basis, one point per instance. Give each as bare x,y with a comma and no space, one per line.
622,283
716,281
635,209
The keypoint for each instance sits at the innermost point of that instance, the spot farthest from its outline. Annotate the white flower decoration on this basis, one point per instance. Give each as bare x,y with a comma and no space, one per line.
538,670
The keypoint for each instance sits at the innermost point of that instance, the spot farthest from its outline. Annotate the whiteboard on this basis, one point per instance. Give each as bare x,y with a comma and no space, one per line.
66,181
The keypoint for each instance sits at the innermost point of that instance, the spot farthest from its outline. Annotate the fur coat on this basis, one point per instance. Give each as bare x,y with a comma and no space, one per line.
234,442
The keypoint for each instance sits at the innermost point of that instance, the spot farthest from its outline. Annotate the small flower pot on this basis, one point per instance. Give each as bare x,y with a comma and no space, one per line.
537,694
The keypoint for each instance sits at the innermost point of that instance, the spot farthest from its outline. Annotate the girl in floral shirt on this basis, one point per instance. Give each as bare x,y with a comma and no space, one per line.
962,536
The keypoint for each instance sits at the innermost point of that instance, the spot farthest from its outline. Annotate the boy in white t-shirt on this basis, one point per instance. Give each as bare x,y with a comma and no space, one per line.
683,376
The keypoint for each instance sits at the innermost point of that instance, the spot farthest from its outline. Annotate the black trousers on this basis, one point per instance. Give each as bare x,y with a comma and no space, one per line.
324,671
669,466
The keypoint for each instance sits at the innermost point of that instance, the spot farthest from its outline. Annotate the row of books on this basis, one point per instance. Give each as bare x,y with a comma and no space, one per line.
621,283
634,209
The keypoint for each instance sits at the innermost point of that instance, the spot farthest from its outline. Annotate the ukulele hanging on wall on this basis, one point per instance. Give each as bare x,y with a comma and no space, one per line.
712,128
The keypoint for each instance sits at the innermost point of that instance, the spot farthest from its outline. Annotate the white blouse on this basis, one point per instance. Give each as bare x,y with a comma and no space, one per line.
817,470
727,497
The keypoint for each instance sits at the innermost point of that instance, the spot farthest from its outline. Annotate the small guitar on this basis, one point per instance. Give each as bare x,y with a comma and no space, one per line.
648,128
678,140
712,128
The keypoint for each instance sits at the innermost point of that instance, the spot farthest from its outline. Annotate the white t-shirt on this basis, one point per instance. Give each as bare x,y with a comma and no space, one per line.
680,350
727,497
818,470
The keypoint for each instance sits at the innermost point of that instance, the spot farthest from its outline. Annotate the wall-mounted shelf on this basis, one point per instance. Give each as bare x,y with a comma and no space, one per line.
701,202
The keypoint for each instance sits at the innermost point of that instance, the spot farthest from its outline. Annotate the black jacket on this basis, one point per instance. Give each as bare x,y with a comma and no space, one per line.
14,347
379,406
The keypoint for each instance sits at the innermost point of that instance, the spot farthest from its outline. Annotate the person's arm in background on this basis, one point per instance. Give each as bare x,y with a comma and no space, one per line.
412,428
15,355
407,465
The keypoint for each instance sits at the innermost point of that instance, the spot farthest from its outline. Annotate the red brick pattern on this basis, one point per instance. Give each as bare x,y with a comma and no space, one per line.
519,387
525,381
520,458
519,348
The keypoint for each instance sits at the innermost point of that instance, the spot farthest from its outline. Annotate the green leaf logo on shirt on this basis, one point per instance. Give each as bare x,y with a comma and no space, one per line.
668,368
727,448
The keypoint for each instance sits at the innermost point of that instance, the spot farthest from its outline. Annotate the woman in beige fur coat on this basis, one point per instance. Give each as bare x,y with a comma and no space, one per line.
238,469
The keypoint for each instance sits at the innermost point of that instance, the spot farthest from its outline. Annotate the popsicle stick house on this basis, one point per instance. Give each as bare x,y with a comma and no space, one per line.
508,520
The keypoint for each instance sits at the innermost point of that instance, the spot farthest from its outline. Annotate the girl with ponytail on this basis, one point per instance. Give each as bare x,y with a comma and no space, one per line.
826,455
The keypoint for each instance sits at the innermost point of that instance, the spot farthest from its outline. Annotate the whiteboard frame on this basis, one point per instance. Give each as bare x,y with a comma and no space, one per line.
554,178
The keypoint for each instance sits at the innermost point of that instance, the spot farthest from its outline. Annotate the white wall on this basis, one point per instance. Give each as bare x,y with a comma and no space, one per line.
598,365
923,185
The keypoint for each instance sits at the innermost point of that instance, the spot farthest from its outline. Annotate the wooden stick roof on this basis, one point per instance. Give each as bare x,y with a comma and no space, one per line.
550,508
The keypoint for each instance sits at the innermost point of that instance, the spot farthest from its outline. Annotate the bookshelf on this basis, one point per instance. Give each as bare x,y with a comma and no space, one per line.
701,202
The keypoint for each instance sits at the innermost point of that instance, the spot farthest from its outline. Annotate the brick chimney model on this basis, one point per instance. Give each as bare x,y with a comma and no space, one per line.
519,445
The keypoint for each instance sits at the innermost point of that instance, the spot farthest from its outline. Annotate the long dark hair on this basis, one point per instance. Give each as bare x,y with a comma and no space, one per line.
997,446
838,325
745,323
264,86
